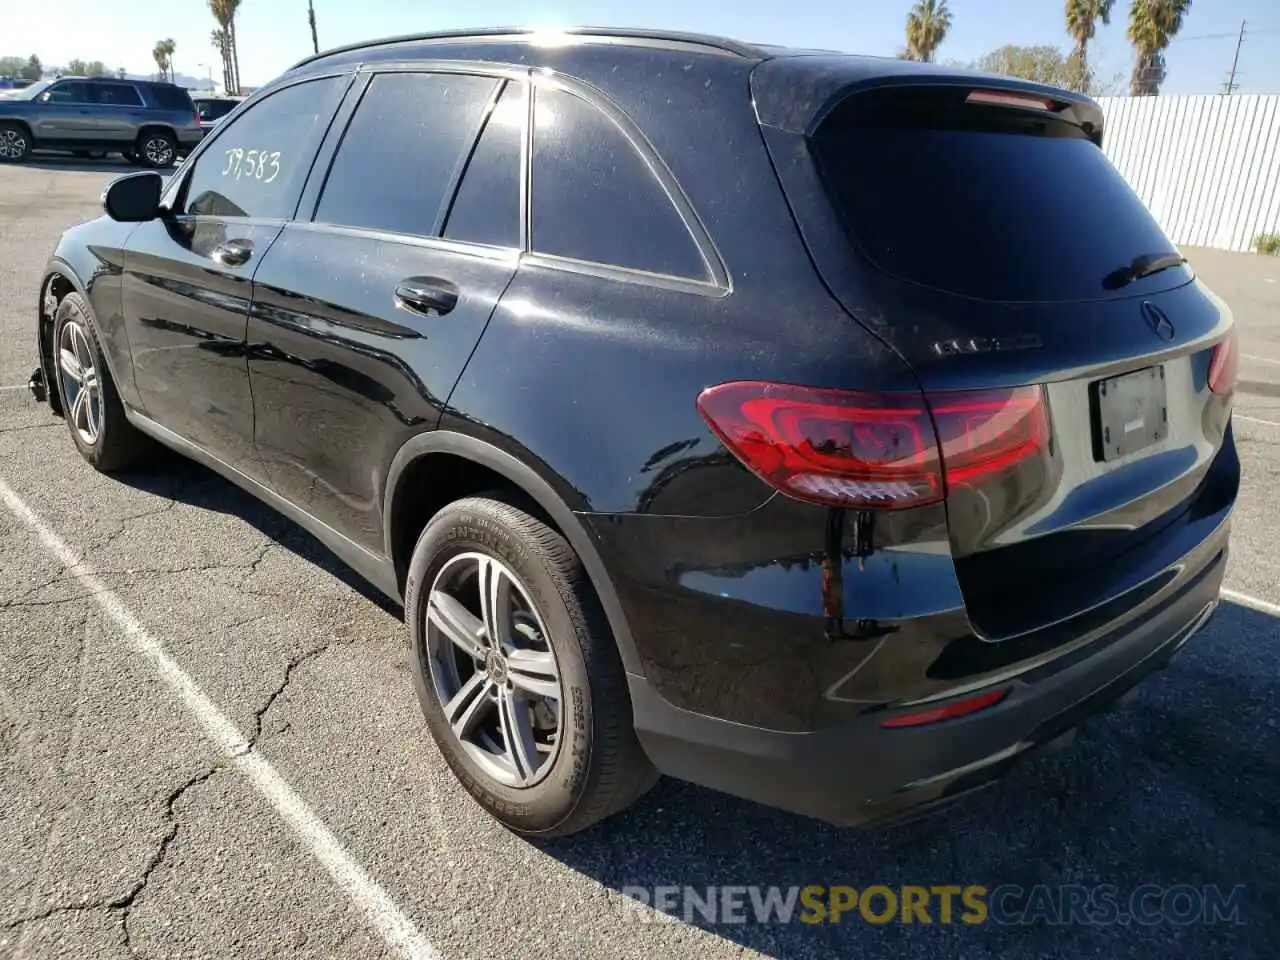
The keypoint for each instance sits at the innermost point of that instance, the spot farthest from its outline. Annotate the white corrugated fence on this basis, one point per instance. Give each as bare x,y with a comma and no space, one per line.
1208,167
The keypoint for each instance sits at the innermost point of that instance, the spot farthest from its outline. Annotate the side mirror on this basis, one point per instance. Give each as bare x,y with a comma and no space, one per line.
134,198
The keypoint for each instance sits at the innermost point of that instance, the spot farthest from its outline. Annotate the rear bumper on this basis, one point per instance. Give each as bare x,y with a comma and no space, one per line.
858,772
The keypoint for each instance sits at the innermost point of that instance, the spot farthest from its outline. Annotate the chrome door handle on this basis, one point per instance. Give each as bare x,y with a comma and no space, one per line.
427,295
233,253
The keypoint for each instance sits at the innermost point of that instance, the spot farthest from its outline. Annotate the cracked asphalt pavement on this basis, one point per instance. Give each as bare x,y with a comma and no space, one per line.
124,832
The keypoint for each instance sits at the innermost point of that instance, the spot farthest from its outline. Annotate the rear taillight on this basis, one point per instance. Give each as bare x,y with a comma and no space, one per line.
1007,98
884,450
957,708
984,432
1224,364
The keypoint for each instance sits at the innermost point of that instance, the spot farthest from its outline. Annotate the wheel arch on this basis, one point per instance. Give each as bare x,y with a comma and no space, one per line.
20,122
152,127
59,281
448,444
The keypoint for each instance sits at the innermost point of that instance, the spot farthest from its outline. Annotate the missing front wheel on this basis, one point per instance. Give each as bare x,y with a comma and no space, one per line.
36,384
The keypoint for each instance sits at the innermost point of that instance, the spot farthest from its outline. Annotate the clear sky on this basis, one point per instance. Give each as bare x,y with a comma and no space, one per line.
273,34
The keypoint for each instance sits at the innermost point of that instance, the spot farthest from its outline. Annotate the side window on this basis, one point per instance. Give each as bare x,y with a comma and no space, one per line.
398,157
257,164
486,208
116,94
72,91
594,198
169,97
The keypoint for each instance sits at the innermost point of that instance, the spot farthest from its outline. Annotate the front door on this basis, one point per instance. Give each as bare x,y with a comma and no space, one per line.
364,318
187,290
66,113
189,276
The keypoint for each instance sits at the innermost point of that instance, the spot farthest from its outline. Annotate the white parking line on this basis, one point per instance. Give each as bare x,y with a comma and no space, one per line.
395,928
1254,356
21,386
1253,603
1241,416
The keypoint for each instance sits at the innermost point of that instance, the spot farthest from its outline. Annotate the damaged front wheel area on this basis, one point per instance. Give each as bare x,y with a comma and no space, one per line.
92,408
39,389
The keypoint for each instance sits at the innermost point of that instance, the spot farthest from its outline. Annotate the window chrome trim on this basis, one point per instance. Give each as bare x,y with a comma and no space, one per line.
466,248
605,271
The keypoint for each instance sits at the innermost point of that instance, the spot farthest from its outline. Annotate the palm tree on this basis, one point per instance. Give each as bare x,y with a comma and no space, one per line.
224,11
1152,26
221,41
927,26
1082,25
163,54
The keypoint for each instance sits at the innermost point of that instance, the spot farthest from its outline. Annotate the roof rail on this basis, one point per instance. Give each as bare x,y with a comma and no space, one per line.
721,44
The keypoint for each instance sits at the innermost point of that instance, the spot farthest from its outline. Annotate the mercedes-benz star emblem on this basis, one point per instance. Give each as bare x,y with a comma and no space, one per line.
1157,321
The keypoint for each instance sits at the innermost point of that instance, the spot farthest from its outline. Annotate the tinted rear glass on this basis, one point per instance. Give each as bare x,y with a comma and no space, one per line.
117,94
984,201
172,98
215,109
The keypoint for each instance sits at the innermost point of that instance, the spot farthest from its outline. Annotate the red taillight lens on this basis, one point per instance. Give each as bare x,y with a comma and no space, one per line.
982,433
957,708
1006,98
1224,364
830,446
859,449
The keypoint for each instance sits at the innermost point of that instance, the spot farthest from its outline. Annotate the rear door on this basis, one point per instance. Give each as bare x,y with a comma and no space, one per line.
120,111
368,306
188,275
983,234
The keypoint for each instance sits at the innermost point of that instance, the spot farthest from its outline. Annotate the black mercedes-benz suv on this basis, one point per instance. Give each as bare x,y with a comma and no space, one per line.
829,430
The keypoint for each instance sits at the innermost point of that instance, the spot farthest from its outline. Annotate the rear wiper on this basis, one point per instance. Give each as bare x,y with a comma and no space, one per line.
1141,266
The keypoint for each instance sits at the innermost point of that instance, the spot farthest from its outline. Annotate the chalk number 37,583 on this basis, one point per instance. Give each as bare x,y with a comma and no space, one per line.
244,164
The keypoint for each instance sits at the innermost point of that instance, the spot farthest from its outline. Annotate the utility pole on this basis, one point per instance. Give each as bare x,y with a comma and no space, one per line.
1235,61
311,17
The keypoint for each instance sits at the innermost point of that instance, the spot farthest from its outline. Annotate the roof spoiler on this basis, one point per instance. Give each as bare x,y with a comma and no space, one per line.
796,94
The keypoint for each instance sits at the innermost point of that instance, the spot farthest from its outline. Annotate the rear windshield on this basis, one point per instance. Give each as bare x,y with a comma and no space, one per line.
172,98
215,109
984,201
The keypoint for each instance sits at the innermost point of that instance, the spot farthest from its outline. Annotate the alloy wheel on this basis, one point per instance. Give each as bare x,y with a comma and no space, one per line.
158,151
80,382
13,145
494,670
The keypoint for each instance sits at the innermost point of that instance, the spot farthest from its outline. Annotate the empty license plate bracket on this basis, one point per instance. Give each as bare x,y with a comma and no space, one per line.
1129,412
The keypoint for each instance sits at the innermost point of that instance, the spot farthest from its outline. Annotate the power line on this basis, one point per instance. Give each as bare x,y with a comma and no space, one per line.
1222,36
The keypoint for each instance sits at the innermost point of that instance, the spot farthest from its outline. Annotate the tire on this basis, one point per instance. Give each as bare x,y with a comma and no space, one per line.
15,143
100,430
594,767
156,149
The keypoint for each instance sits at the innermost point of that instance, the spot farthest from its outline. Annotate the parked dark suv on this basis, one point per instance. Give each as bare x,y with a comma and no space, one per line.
830,430
148,123
213,109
